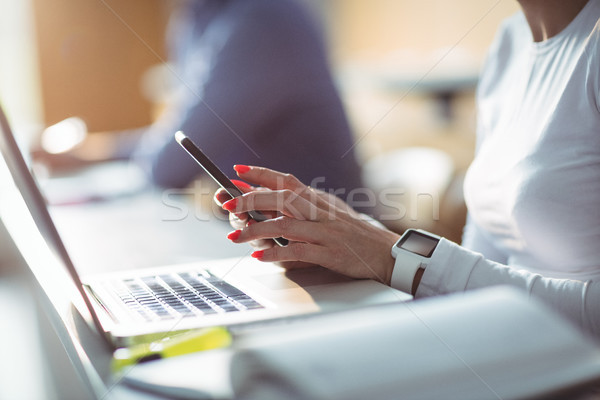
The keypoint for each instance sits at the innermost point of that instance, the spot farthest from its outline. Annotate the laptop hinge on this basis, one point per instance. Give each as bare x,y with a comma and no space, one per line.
93,294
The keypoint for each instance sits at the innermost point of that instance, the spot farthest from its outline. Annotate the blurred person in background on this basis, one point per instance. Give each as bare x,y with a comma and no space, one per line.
255,87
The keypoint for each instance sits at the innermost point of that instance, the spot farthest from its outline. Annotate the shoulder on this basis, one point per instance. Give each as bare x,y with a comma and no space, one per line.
270,7
511,37
588,28
499,68
284,27
511,41
591,37
593,69
591,40
513,29
271,15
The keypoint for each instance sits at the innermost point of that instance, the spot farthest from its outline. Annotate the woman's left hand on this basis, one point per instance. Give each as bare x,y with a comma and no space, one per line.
321,228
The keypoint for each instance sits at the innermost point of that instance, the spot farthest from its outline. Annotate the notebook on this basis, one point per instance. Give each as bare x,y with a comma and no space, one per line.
492,343
133,306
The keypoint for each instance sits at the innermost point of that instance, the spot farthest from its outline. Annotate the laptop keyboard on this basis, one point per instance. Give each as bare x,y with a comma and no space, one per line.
172,296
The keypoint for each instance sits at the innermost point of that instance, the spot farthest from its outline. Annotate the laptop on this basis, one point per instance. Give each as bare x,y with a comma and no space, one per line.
141,305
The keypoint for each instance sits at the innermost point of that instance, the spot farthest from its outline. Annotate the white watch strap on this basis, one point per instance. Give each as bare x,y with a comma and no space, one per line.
405,268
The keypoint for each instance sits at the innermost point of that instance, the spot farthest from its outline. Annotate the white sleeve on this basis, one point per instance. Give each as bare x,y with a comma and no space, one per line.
475,240
454,269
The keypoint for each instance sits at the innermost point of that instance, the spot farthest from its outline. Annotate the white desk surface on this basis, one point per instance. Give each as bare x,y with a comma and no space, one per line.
140,231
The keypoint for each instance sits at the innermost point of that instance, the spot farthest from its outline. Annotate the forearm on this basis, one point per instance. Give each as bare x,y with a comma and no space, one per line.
454,268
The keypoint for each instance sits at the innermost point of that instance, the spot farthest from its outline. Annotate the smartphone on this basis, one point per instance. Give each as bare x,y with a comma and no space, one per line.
219,177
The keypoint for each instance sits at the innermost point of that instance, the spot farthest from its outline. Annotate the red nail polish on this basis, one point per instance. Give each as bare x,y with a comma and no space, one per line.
258,254
241,169
230,205
241,184
234,235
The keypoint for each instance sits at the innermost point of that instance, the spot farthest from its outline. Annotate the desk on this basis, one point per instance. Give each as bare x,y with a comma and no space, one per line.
141,229
136,226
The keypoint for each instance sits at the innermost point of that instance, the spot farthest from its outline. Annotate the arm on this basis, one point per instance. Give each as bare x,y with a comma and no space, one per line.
454,268
326,234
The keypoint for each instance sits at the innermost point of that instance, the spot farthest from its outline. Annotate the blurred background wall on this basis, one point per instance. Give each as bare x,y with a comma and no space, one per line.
92,55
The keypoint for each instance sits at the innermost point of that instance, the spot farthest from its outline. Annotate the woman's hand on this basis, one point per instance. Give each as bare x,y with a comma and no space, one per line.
321,228
241,220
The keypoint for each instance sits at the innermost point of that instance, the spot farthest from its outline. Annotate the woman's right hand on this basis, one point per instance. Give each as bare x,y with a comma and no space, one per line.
321,228
241,220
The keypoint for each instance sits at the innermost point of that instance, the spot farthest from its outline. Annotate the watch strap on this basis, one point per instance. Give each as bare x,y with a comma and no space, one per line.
405,268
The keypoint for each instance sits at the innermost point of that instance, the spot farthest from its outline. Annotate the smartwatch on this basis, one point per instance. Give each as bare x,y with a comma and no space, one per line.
412,252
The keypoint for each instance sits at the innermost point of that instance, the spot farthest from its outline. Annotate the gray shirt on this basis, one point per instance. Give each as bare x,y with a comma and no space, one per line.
258,91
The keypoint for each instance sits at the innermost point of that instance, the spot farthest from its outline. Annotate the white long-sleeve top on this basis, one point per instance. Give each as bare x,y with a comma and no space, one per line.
533,189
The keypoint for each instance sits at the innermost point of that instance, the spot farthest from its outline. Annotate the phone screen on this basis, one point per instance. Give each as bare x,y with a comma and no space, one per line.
218,175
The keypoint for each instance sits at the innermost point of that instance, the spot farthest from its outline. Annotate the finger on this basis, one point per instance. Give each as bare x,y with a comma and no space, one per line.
258,244
286,201
268,178
243,186
288,228
296,251
238,221
262,244
241,220
276,180
221,195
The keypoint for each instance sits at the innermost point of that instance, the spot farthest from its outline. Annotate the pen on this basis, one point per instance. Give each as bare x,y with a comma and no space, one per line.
185,343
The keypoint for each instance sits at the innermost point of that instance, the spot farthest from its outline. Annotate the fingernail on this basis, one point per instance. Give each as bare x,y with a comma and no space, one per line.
251,222
241,184
234,235
230,205
241,169
258,254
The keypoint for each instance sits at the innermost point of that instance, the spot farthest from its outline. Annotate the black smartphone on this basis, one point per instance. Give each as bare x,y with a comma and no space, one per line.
219,177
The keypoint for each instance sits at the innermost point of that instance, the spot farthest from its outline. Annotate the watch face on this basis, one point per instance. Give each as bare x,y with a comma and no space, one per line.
419,243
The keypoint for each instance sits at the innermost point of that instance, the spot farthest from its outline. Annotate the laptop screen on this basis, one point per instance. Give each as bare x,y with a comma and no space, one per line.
25,214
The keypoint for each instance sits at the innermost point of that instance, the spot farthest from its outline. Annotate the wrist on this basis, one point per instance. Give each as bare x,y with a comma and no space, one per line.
412,253
417,281
388,271
385,275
